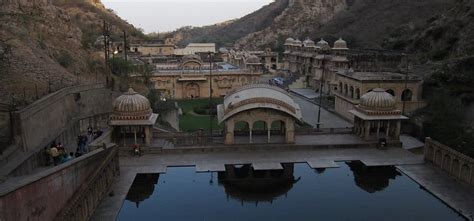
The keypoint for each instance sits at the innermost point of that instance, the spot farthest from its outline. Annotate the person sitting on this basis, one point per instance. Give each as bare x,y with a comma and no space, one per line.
136,150
55,155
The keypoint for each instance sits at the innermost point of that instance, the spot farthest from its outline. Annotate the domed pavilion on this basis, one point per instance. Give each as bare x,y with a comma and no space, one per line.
132,116
376,117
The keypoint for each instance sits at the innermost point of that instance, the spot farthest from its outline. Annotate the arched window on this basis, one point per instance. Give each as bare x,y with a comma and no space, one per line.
345,89
352,92
407,95
390,91
357,93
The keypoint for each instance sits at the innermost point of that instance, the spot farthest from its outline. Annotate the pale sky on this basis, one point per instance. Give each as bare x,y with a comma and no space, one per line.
168,15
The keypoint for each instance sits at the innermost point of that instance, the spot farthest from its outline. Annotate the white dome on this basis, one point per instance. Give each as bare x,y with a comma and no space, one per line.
131,106
309,43
377,99
340,45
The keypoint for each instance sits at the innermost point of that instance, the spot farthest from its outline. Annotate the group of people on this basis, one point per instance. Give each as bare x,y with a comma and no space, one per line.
57,153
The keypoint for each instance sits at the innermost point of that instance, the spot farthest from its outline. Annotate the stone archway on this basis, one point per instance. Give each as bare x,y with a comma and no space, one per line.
277,131
259,132
465,173
446,162
192,90
242,130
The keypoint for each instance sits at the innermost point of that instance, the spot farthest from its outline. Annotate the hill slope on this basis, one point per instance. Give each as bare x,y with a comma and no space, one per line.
47,45
228,32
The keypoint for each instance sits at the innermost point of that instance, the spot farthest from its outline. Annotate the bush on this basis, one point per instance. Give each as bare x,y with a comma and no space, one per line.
64,59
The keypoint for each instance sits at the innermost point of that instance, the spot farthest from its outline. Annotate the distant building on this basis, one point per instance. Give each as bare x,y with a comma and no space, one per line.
267,59
152,49
346,74
352,85
196,48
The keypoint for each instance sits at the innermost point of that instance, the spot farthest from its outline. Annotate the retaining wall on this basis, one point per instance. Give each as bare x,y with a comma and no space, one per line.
450,160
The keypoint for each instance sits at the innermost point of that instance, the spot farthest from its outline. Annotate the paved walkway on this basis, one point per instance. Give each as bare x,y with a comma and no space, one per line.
262,160
457,195
310,115
305,92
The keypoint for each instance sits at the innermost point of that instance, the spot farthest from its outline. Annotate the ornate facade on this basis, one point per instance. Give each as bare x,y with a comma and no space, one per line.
250,105
132,115
191,78
406,90
376,117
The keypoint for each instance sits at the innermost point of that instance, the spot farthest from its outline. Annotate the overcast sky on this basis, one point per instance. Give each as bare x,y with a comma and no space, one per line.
167,15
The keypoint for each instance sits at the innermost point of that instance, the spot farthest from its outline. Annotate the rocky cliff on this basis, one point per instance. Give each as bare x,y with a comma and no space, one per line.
46,45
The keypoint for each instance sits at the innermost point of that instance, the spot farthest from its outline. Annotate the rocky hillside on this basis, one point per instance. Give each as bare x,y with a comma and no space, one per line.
226,33
46,45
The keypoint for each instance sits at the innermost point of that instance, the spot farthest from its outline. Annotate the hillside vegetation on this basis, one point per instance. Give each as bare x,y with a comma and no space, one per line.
47,45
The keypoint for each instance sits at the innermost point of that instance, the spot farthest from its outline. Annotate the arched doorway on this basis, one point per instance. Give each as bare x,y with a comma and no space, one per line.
277,131
259,132
192,90
407,95
241,132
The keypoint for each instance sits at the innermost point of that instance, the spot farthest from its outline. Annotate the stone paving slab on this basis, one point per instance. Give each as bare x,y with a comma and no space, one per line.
210,167
444,186
266,166
389,162
154,169
322,163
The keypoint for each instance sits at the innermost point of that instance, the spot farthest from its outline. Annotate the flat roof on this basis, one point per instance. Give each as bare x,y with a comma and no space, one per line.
374,76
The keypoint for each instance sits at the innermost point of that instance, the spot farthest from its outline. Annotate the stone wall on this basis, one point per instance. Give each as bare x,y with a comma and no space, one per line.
5,126
450,160
78,184
43,121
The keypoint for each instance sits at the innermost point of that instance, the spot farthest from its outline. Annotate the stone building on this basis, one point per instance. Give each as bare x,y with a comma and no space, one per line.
377,117
259,108
132,117
152,49
351,85
267,59
190,77
196,48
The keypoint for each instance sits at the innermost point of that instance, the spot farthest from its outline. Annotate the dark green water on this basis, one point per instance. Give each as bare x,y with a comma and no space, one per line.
351,192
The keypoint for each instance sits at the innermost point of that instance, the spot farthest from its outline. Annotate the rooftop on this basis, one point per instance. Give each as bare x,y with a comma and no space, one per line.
377,76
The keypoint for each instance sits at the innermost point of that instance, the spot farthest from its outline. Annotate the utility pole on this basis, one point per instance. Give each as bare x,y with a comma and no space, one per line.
406,84
125,45
321,85
210,94
105,34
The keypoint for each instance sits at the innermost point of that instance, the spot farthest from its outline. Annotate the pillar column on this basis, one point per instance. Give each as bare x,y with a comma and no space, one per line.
378,129
148,135
229,135
250,132
135,134
387,129
397,132
366,129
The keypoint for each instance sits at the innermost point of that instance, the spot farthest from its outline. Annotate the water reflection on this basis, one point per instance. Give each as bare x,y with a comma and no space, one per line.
245,184
142,188
372,179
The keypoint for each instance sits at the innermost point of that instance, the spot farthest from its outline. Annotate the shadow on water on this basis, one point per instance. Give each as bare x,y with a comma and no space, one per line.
245,184
142,188
372,179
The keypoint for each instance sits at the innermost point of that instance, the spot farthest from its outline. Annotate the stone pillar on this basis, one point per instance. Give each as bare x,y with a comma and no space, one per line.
229,135
250,132
387,129
290,131
378,129
148,135
366,129
397,131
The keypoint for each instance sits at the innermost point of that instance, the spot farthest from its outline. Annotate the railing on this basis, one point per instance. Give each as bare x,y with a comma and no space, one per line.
85,200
